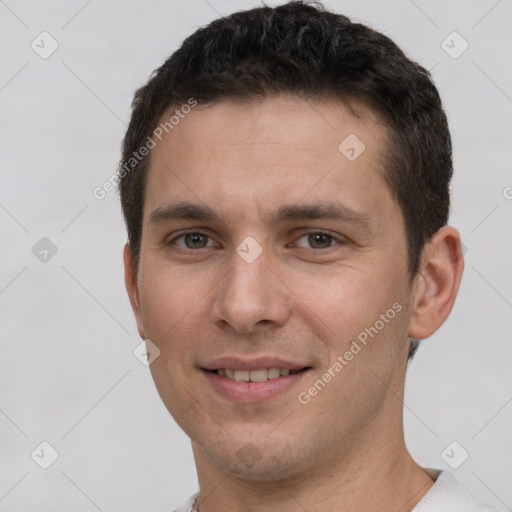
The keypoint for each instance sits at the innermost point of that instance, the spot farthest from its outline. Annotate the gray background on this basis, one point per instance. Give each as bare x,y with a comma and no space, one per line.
67,372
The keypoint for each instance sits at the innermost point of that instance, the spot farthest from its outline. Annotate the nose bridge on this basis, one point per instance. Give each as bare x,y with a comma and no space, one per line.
250,294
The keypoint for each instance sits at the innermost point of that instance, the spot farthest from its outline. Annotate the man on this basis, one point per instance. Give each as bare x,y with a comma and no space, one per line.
285,185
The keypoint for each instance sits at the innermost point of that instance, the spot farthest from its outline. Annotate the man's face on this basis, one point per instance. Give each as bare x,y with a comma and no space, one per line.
303,254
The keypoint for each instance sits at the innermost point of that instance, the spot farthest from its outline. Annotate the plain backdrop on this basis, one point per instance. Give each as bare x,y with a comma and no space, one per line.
68,375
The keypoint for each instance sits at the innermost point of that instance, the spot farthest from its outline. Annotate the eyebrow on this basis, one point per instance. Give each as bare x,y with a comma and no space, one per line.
329,211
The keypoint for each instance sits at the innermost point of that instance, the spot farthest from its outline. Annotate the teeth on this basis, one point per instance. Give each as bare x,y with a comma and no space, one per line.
241,376
272,373
258,375
253,376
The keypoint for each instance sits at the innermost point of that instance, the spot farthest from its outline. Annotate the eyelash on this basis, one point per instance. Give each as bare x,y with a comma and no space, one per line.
192,232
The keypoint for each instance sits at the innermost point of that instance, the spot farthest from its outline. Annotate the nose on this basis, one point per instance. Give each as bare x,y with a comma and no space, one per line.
251,297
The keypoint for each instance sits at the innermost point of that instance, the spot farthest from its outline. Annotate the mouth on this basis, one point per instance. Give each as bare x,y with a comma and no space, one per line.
260,375
254,381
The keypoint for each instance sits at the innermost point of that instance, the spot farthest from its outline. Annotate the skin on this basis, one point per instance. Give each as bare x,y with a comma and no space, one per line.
300,299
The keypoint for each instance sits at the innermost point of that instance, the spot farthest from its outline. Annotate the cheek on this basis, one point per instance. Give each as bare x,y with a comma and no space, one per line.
170,305
362,326
169,292
344,301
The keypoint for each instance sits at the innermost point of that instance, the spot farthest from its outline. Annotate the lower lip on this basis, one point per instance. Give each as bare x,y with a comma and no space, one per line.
252,392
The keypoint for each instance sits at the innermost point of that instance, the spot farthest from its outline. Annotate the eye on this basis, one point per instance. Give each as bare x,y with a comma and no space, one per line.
192,240
197,240
318,240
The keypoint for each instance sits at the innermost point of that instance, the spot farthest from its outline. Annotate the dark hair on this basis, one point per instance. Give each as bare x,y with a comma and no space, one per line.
301,48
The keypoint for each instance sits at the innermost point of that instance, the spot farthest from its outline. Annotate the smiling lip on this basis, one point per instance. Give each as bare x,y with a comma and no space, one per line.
252,392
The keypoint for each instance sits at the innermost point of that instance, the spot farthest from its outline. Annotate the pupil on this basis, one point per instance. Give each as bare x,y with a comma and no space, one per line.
196,240
319,240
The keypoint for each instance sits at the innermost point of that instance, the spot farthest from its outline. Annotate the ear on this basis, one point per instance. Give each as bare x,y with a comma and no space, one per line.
437,283
130,282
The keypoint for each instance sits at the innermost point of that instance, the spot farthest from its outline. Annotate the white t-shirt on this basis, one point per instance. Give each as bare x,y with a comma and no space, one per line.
446,495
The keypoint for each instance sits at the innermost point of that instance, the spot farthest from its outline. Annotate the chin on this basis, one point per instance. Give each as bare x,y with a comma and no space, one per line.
259,462
266,469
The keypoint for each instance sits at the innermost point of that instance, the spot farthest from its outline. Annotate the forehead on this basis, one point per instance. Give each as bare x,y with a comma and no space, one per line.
271,151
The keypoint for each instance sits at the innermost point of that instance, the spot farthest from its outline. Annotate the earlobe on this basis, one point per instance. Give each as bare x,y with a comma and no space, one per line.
437,283
132,288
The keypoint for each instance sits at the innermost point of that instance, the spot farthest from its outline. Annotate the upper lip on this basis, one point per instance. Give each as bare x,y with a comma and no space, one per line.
251,364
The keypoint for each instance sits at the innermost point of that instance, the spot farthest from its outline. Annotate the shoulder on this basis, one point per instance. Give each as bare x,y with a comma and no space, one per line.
448,495
188,505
